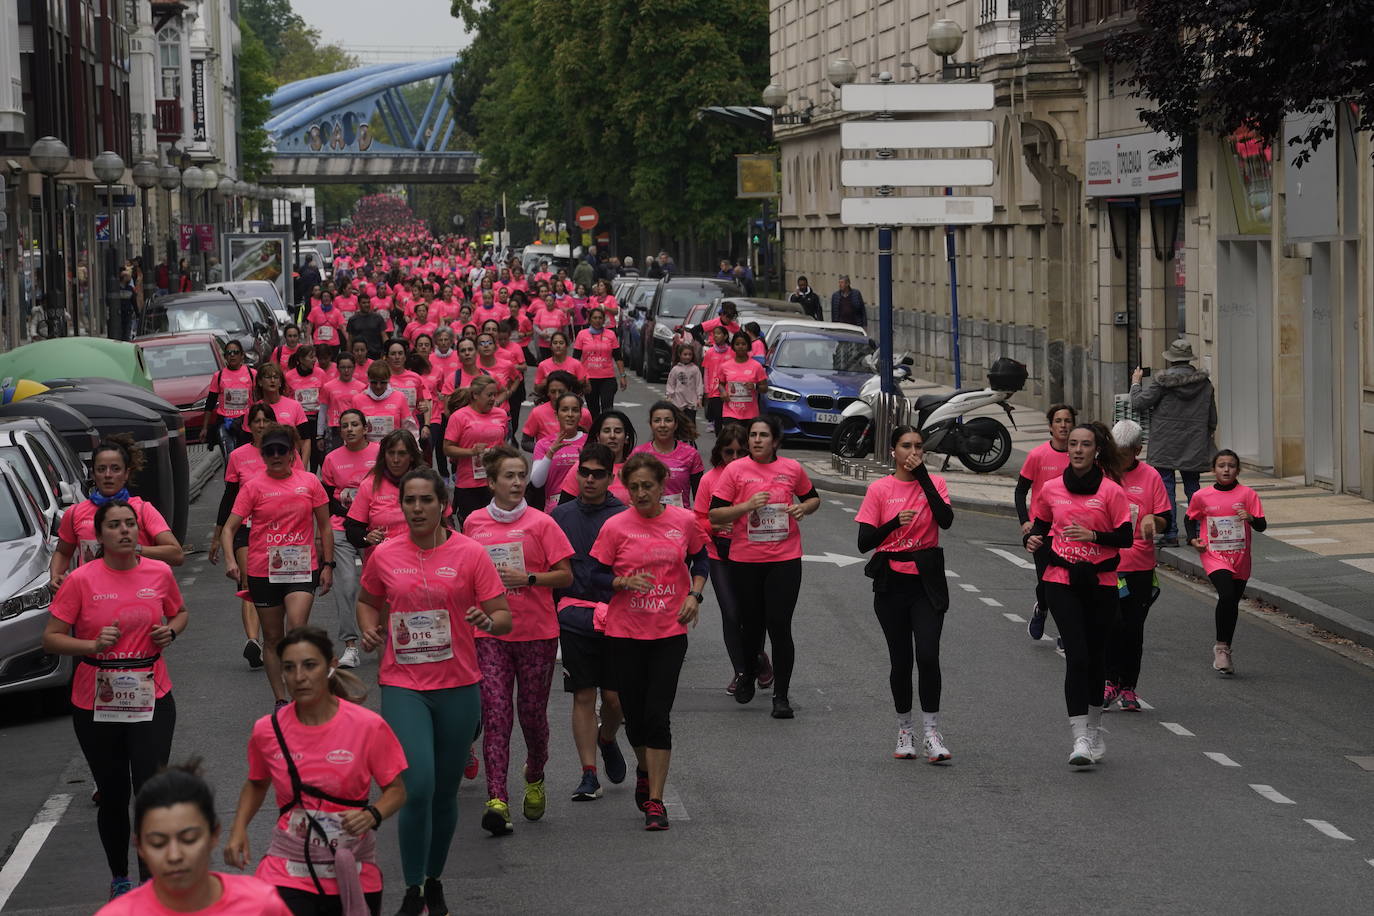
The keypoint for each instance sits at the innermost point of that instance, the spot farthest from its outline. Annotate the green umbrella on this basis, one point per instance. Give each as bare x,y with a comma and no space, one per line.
76,357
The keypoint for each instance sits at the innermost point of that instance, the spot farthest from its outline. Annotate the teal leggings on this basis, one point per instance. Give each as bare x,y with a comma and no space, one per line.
436,729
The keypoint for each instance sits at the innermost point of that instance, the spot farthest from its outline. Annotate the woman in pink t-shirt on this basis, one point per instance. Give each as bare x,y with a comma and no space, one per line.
656,555
602,298
273,391
900,518
231,391
559,360
542,423
287,510
117,615
1221,520
472,430
410,384
718,352
306,380
1045,462
762,498
326,322
614,430
423,597
386,408
531,554
375,511
672,443
740,380
337,396
1080,522
1150,512
548,319
320,754
598,350
555,456
345,470
290,343
114,461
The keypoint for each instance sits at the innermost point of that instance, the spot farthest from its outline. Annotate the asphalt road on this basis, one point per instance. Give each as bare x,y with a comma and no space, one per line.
1227,795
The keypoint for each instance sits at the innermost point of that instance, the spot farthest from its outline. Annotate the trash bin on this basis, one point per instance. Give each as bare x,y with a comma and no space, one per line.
111,412
71,424
176,441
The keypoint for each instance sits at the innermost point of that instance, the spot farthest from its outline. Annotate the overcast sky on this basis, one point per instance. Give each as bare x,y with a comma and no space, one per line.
373,23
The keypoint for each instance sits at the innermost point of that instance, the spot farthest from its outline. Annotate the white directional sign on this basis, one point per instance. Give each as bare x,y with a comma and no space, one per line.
915,211
875,173
897,97
863,135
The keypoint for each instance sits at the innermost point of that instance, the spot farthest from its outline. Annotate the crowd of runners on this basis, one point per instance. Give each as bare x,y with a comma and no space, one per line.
381,495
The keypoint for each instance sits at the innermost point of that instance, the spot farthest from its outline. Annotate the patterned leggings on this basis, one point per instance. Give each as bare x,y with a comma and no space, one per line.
504,664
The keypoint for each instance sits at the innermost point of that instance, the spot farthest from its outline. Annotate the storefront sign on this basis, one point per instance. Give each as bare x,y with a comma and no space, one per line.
185,233
198,130
1126,166
102,227
205,237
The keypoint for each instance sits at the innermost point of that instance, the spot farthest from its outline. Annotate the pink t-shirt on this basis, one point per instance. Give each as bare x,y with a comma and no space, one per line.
244,895
378,505
468,429
1225,535
569,365
344,469
1043,463
326,327
428,594
597,350
702,508
488,310
1105,510
443,363
562,464
542,423
711,361
384,416
95,596
683,461
282,539
734,378
1145,491
607,304
631,544
246,462
766,535
337,396
282,355
461,378
415,329
288,411
533,543
77,528
342,757
888,498
411,386
305,389
235,390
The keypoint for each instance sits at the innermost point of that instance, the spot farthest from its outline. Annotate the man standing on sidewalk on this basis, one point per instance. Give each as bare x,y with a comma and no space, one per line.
847,304
1183,421
806,297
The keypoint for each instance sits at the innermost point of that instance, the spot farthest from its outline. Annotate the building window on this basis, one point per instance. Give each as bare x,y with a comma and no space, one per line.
169,61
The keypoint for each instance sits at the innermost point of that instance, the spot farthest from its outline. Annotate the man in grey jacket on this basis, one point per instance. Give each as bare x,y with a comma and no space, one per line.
1183,421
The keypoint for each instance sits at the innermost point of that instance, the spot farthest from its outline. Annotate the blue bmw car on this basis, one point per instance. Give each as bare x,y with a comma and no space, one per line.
812,376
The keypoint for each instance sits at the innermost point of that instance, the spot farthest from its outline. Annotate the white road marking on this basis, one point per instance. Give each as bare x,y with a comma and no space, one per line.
1143,704
1217,757
969,588
1178,729
1305,542
1012,558
677,811
627,404
30,843
1014,618
849,510
835,502
188,581
1285,532
1329,830
990,602
951,574
838,559
1276,797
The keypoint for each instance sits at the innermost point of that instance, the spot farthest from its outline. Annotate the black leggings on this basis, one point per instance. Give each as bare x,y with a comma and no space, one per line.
1127,639
436,438
645,672
601,394
514,404
729,613
1083,627
122,755
304,903
467,500
765,599
1229,592
912,629
1041,598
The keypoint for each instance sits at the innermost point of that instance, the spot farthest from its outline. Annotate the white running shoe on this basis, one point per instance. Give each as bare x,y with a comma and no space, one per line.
1221,658
1082,755
934,747
349,659
1097,743
906,745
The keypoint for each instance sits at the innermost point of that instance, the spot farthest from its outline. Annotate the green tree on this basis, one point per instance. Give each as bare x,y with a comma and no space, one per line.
255,89
304,55
269,20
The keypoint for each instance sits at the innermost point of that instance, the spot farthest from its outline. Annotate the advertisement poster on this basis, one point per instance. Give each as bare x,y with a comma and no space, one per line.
205,237
185,232
259,256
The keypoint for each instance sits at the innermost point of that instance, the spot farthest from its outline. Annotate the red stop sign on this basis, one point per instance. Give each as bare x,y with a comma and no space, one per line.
587,218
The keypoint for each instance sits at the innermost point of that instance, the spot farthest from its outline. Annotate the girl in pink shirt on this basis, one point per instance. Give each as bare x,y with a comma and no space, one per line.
386,408
291,342
762,498
472,430
320,754
231,391
118,614
656,556
1221,520
337,396
409,383
672,443
900,518
711,360
326,322
548,320
542,421
306,380
531,554
614,430
423,598
375,511
603,299
559,361
273,391
740,380
598,350
421,324
345,470
1081,522
555,455
1137,583
1044,463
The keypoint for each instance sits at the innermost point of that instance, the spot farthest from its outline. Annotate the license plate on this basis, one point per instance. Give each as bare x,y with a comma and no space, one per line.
827,417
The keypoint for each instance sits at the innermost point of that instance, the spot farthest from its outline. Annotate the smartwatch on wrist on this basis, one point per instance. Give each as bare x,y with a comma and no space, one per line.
330,563
376,815
531,579
697,595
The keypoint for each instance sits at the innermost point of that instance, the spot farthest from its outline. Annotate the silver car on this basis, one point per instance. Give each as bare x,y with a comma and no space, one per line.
51,476
25,549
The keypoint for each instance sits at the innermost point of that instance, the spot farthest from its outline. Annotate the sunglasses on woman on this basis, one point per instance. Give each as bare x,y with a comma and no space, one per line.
275,451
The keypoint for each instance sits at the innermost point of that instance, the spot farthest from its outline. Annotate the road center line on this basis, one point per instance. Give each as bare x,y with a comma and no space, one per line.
1014,618
1330,830
990,602
677,811
1178,729
1143,704
969,588
27,848
1279,798
188,582
1012,558
1217,757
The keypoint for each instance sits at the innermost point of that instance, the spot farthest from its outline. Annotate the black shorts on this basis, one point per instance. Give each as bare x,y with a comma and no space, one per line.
241,538
266,593
586,662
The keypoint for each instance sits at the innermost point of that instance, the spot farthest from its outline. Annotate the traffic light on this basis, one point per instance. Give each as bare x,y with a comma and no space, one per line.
297,222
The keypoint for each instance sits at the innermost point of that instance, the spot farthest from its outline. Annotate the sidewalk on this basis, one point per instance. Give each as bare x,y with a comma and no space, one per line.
1315,561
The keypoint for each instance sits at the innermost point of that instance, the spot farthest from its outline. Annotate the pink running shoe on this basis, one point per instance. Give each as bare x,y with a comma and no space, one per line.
1110,694
1129,701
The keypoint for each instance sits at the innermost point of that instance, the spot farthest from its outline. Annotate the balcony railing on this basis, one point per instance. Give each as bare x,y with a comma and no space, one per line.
1086,16
1040,20
167,119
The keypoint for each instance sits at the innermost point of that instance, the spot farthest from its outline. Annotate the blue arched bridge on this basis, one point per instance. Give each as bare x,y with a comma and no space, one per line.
324,130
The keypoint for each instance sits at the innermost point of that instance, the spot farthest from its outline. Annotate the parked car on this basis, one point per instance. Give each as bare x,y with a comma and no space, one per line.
265,290
752,305
765,321
687,330
556,255
783,325
54,480
213,310
673,299
323,250
25,550
182,366
812,376
634,310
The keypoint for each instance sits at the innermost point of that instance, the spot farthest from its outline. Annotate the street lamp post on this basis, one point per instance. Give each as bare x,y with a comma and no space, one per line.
169,177
944,38
146,174
50,156
109,168
191,180
209,180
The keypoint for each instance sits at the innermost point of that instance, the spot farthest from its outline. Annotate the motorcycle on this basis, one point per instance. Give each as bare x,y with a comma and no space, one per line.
982,444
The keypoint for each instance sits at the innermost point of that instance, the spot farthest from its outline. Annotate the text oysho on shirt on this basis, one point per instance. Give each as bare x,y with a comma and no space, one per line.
888,498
